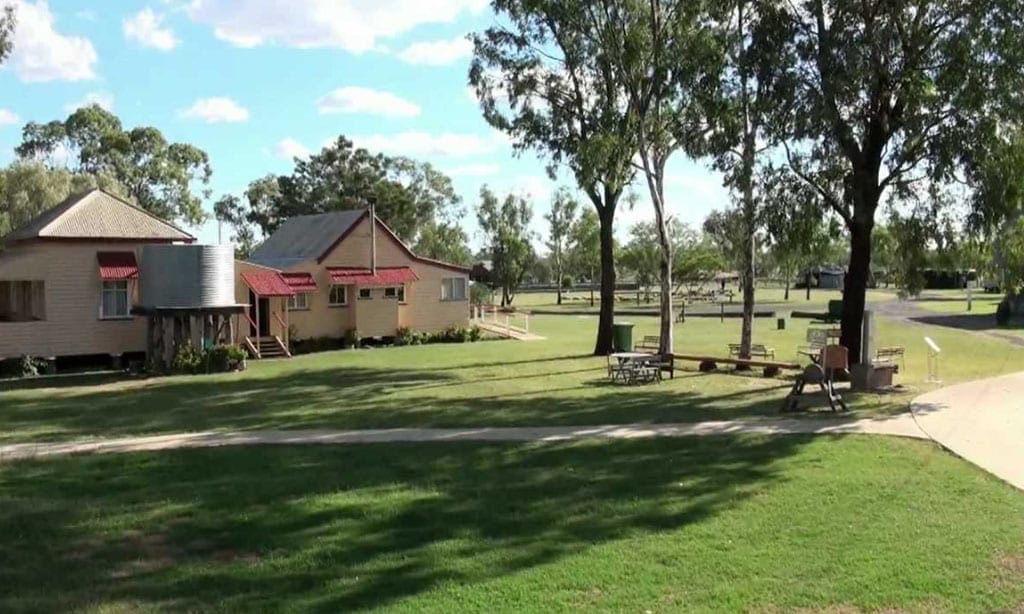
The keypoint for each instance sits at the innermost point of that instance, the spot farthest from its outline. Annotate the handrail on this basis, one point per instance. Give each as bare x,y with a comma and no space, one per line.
251,321
284,327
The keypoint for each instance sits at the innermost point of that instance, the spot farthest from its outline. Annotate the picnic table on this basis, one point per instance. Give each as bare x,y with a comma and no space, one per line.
634,367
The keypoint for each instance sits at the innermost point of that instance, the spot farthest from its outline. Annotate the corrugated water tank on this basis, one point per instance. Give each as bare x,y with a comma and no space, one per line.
186,276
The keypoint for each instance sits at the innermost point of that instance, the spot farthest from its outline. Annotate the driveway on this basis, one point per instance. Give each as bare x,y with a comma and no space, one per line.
982,422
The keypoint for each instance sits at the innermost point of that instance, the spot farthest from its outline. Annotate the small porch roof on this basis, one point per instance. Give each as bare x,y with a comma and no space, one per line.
117,266
267,283
386,276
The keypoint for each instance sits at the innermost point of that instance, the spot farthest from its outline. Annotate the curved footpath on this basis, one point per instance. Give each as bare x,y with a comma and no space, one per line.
982,422
900,426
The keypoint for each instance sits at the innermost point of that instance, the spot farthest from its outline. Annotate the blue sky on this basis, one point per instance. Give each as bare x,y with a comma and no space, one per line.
254,82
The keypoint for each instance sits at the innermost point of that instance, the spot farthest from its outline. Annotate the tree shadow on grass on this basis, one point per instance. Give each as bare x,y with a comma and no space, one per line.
347,528
362,397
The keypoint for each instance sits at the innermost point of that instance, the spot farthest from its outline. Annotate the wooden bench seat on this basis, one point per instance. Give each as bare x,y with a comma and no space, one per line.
710,363
756,349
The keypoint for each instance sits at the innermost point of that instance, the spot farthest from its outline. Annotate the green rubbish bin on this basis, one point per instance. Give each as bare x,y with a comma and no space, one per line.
622,336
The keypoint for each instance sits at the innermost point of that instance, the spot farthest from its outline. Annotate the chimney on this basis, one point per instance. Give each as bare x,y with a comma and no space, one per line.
373,235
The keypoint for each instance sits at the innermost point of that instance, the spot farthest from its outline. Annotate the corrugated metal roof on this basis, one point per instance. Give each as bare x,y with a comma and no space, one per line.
267,283
304,237
300,281
386,276
97,215
117,266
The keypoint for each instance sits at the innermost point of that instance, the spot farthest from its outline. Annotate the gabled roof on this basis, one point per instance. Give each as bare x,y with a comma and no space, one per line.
97,215
305,237
314,237
384,276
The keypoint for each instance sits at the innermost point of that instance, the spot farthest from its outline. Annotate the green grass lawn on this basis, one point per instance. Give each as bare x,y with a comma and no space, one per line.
494,383
954,302
745,524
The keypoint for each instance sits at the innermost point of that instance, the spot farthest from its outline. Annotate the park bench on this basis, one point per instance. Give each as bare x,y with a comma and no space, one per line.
652,344
710,363
756,349
891,354
649,343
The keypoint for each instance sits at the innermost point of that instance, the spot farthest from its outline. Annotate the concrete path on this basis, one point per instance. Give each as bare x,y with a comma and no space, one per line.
982,422
900,426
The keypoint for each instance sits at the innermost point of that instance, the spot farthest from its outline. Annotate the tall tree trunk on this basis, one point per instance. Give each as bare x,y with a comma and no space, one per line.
807,281
789,275
606,317
855,287
747,275
558,277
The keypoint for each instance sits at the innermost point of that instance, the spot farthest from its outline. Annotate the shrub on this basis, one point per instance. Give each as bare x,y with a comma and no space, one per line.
225,358
22,366
475,333
316,344
188,360
404,336
352,338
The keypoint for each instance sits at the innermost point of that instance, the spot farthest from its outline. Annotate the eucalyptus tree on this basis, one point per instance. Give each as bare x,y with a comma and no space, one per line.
755,38
542,77
665,57
891,93
505,225
7,23
560,220
165,178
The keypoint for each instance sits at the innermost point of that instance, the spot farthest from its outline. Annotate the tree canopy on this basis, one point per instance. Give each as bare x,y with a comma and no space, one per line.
543,78
560,221
505,226
29,188
161,177
889,93
7,24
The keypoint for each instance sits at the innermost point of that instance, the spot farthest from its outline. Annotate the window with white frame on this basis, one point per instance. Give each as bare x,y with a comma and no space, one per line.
114,303
453,289
395,292
298,302
339,296
365,294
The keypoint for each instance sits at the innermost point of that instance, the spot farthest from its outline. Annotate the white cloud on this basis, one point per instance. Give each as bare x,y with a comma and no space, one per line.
474,170
43,54
535,188
437,53
216,110
352,25
104,99
290,148
366,101
426,144
145,28
9,118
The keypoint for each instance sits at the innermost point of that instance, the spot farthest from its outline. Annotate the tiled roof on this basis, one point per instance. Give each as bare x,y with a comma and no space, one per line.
386,276
300,281
98,215
305,237
117,266
267,283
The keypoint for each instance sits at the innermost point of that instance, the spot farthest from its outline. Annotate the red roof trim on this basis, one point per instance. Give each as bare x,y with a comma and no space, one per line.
385,276
267,283
117,266
405,248
300,281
